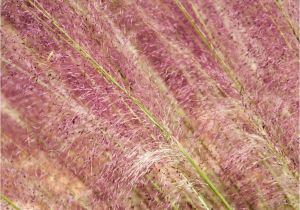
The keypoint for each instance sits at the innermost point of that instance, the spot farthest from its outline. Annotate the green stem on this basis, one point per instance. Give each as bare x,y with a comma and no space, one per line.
9,201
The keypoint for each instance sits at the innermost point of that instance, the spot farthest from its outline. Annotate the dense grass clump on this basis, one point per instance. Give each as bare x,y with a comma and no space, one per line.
168,104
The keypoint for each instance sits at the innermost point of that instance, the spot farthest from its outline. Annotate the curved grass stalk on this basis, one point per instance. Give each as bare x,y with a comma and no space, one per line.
199,196
9,201
110,79
187,122
201,173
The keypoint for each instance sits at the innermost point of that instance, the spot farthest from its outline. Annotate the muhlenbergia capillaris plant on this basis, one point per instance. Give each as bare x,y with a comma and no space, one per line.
139,104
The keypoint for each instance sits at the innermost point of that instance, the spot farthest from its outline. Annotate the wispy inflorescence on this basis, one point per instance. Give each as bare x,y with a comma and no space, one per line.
161,104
